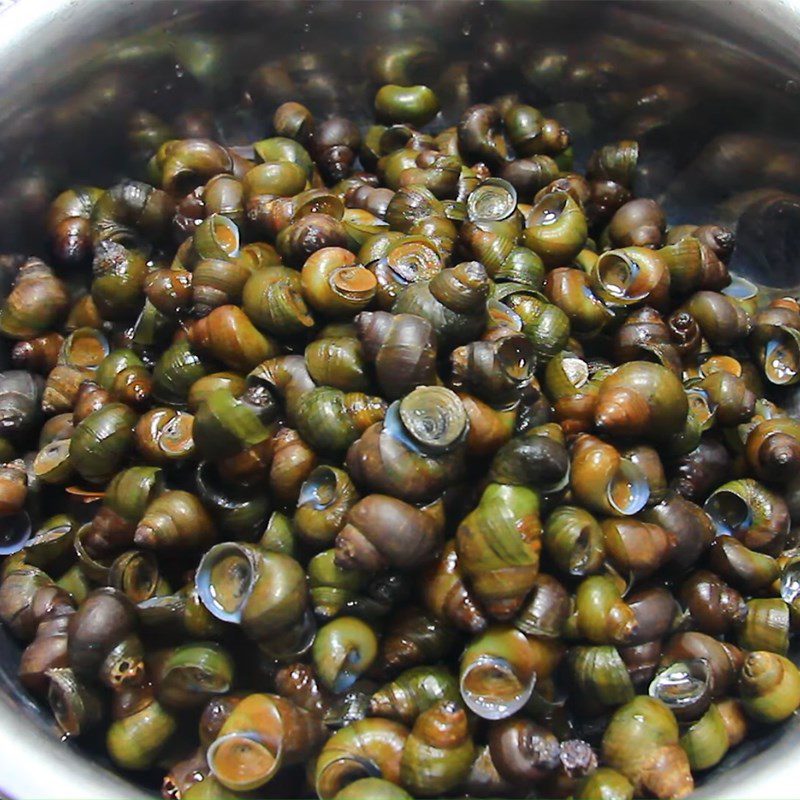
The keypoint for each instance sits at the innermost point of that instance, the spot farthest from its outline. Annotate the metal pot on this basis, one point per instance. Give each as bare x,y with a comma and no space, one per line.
710,89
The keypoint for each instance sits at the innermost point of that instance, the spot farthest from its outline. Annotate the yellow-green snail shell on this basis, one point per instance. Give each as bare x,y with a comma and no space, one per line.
642,742
605,481
263,733
769,687
367,748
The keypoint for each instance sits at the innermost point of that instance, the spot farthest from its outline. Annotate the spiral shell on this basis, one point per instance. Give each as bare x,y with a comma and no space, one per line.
402,348
498,547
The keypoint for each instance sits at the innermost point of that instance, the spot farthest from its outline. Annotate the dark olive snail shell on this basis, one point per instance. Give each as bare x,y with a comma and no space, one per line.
417,451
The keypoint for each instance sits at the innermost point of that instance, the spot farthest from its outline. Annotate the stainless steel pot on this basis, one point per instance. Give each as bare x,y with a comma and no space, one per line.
710,89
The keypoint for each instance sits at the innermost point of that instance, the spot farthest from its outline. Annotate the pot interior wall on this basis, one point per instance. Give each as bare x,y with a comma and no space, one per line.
713,105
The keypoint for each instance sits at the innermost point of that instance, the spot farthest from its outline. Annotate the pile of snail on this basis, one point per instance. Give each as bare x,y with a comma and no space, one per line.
390,463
